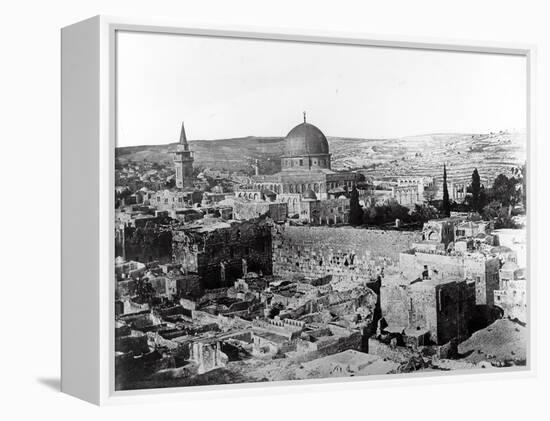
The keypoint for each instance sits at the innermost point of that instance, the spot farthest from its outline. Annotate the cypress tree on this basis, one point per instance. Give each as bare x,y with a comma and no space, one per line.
476,191
355,210
446,201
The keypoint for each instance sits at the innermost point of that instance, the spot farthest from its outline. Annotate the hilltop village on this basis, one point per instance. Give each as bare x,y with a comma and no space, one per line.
310,272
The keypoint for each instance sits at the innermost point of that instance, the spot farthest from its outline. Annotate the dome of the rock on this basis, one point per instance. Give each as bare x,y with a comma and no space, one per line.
304,140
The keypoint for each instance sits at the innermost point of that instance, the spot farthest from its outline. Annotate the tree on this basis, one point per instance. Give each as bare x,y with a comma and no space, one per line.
197,169
520,174
446,201
484,198
494,211
430,192
355,210
476,191
369,216
423,213
506,191
120,197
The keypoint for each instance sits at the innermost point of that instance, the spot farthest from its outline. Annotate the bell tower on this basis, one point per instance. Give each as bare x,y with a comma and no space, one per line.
183,161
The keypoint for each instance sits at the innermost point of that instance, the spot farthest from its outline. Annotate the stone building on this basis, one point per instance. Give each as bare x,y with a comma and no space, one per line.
271,336
207,354
244,209
409,191
471,229
323,212
440,305
440,232
252,193
511,296
481,268
516,240
407,195
170,199
293,203
221,252
213,197
130,269
306,165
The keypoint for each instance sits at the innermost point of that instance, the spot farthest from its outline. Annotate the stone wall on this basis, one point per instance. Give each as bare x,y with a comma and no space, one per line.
307,351
345,253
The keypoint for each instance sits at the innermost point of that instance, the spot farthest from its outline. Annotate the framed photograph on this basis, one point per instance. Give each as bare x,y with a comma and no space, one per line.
246,209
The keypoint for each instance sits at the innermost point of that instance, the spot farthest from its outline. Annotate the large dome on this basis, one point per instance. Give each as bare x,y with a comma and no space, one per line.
305,139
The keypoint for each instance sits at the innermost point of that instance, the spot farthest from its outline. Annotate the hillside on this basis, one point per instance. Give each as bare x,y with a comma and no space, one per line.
422,155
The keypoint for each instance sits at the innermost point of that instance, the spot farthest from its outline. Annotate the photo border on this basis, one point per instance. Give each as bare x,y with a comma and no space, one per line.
109,26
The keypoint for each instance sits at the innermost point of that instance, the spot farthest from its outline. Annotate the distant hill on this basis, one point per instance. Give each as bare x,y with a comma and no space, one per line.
229,154
424,155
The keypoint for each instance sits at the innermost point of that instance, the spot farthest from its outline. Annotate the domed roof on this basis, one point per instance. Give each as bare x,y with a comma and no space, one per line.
510,266
309,194
500,249
305,139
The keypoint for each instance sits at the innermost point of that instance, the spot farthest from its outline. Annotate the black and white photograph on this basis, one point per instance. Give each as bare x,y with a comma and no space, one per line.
293,210
278,210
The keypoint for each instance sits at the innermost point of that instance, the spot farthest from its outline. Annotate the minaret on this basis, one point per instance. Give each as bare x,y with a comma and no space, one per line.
183,161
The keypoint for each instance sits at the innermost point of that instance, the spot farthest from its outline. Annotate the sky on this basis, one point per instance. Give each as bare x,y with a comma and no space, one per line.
227,88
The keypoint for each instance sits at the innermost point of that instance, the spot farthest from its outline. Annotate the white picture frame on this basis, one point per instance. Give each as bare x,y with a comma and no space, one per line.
88,142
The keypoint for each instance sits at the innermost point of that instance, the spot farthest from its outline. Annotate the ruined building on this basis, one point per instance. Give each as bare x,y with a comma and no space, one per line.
221,252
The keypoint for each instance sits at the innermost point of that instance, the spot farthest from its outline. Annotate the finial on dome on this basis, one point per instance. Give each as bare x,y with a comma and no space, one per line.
304,116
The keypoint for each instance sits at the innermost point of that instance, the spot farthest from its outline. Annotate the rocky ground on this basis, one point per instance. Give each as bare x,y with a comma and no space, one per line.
501,343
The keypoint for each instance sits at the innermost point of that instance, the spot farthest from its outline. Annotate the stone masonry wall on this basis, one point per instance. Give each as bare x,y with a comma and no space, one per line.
345,253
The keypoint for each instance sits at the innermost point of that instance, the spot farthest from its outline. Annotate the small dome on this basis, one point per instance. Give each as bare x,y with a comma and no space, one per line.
501,249
305,139
309,195
510,266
